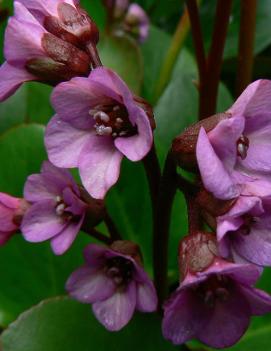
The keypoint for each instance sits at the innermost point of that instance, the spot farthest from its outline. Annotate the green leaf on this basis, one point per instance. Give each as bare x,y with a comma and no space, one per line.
122,54
65,325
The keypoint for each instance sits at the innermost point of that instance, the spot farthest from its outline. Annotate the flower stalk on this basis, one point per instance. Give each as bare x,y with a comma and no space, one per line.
246,44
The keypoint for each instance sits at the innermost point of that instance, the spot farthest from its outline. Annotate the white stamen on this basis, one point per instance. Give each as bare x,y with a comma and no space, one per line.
58,198
60,209
114,135
104,117
119,120
92,112
122,133
103,130
116,108
242,150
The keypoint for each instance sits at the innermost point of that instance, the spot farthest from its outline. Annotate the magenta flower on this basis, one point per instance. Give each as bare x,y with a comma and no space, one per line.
137,23
215,305
11,212
57,211
114,283
33,52
237,150
245,231
97,123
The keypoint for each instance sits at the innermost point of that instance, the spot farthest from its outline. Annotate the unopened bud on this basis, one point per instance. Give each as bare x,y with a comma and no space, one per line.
147,108
73,25
184,146
197,252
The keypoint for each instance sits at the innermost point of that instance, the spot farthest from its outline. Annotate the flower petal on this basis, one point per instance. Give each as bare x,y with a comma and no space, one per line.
115,312
74,99
146,299
11,79
136,147
41,222
223,139
256,246
63,241
260,301
99,166
183,317
214,175
64,143
45,7
89,285
226,322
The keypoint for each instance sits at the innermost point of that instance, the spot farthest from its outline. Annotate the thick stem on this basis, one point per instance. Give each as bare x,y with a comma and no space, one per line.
246,44
172,54
112,229
209,87
193,12
153,172
97,235
194,217
161,228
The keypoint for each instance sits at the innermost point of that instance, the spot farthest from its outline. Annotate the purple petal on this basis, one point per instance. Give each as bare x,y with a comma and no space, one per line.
41,222
94,255
255,101
23,42
60,174
226,322
256,246
37,188
260,301
63,241
99,166
223,139
75,205
136,147
45,7
223,228
183,317
11,79
88,285
74,99
143,21
243,273
22,14
115,312
64,143
214,175
146,299
113,82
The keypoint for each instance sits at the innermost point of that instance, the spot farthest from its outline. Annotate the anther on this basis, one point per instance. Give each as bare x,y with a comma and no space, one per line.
242,146
103,130
60,209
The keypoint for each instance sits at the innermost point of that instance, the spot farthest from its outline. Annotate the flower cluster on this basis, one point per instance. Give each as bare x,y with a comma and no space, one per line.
98,121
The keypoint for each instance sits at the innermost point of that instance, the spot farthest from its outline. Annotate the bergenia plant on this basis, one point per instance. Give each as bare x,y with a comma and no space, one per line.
92,254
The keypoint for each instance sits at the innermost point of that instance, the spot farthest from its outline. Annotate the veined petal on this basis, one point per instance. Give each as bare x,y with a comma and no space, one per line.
115,312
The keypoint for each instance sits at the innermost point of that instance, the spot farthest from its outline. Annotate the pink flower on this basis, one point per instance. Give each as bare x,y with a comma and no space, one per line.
114,282
43,42
97,123
237,151
11,212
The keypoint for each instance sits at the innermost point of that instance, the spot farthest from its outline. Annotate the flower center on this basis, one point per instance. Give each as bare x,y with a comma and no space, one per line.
242,146
120,270
112,120
248,222
61,211
216,288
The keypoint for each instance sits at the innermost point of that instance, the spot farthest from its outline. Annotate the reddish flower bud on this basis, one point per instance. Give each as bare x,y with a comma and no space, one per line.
184,146
128,248
196,253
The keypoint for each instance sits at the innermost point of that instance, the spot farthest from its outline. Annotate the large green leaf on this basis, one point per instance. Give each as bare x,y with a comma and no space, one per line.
122,54
65,325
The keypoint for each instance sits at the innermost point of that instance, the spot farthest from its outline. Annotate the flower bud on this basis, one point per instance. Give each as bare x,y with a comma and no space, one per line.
184,146
128,248
72,25
197,252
